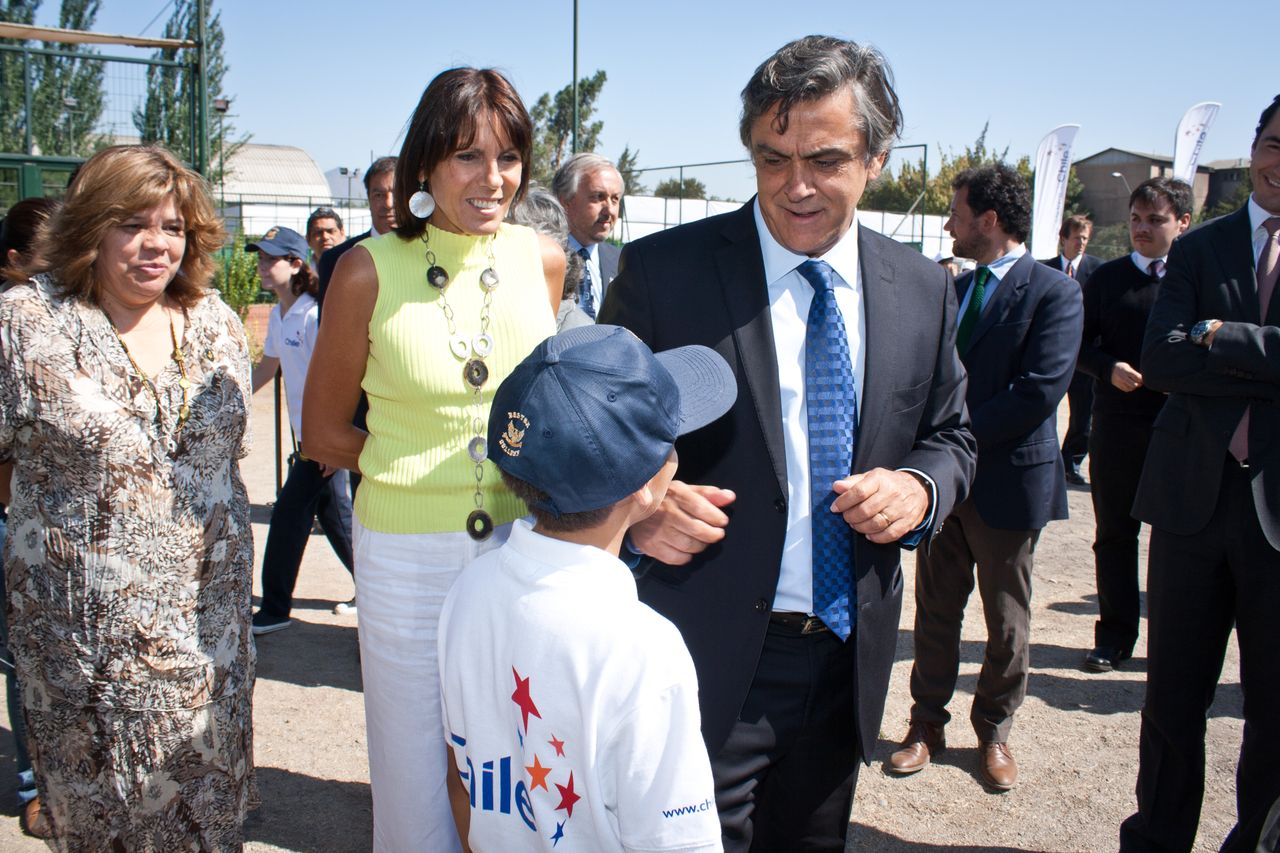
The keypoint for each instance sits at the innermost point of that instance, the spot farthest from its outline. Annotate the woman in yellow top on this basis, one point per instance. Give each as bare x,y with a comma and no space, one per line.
428,320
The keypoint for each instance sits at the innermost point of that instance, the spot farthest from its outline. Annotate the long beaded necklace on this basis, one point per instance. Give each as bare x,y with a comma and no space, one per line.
475,373
184,411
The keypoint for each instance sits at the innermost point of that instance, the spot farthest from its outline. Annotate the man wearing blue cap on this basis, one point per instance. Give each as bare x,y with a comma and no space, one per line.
571,708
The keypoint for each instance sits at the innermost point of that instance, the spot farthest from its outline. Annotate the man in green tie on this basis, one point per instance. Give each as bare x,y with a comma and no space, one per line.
1018,336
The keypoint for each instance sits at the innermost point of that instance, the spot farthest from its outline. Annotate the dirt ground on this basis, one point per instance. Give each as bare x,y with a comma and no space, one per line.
1075,738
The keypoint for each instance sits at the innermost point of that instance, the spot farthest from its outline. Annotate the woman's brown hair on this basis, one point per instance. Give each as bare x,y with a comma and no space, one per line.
111,186
445,121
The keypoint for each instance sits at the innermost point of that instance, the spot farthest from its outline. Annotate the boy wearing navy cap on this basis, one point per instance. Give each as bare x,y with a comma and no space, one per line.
571,708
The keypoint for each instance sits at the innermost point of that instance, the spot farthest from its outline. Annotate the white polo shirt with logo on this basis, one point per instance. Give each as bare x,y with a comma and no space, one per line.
571,708
291,339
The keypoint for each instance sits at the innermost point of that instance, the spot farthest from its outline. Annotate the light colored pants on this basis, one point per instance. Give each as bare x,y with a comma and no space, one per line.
401,582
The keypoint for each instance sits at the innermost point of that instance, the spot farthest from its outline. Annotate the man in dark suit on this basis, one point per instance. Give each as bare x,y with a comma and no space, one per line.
379,182
1117,304
848,439
1018,337
1073,238
590,190
1210,490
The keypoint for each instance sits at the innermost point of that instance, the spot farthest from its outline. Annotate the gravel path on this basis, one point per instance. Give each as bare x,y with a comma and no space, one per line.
1075,738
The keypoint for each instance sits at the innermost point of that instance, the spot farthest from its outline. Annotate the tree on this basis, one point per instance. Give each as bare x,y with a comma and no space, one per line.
630,177
67,97
1239,196
553,126
674,188
166,115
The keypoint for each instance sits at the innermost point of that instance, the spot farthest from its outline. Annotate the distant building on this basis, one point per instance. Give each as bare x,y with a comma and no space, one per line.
1106,196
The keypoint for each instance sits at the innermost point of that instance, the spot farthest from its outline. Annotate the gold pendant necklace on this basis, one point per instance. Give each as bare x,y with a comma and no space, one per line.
184,411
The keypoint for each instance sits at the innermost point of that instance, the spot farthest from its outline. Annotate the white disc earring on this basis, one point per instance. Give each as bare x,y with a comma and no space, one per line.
421,204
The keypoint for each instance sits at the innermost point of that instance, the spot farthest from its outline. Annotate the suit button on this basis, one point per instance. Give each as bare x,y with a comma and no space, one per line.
761,605
780,504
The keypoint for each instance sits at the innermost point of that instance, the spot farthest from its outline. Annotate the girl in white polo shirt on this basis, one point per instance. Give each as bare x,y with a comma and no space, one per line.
311,490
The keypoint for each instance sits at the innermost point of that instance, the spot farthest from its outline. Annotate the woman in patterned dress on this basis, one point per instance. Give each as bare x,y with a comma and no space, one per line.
124,398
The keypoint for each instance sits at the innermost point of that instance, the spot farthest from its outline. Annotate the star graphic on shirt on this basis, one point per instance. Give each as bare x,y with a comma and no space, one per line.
558,744
567,796
538,775
555,839
522,698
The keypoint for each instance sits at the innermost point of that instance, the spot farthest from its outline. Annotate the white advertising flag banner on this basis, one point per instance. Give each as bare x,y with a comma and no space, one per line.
1053,166
1192,130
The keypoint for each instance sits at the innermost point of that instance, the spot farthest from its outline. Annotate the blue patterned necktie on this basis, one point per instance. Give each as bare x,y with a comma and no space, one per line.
832,404
586,299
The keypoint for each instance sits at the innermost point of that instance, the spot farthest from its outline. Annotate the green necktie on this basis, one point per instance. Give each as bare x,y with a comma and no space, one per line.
974,311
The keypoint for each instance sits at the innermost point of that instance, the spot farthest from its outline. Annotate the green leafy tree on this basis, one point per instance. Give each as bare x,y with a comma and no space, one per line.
1075,196
631,184
166,114
237,276
67,97
553,125
1110,242
675,188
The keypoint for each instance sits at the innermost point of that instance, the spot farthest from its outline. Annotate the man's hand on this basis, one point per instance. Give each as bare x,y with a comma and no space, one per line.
685,523
882,505
1124,377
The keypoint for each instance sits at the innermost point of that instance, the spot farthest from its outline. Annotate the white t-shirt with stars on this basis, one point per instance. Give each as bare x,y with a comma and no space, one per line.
571,708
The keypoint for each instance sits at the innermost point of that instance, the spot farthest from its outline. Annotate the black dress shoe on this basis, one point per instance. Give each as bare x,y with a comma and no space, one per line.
1105,659
1075,478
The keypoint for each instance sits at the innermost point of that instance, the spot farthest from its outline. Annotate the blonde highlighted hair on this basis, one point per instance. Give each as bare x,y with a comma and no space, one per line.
111,186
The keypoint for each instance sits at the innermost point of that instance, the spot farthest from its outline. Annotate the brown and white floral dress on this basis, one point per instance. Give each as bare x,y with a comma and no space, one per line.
129,566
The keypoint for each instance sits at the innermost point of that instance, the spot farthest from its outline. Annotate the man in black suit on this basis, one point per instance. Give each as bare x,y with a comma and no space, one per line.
379,183
1073,238
1018,337
1210,490
782,576
590,190
1117,304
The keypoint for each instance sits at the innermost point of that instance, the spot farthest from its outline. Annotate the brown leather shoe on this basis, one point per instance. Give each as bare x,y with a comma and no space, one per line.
34,823
996,766
923,741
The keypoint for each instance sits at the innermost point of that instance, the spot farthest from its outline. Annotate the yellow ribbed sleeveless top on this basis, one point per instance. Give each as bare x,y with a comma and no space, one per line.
418,476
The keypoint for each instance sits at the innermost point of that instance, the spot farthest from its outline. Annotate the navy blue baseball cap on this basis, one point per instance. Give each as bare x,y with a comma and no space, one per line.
280,241
591,414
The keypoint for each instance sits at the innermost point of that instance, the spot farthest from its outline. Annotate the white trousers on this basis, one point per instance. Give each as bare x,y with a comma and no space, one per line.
401,582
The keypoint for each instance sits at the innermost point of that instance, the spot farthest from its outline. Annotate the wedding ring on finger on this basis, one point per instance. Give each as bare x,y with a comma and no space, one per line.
885,519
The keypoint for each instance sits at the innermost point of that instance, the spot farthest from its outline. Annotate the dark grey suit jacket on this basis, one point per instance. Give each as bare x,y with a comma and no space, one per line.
1088,264
1211,277
1021,356
703,283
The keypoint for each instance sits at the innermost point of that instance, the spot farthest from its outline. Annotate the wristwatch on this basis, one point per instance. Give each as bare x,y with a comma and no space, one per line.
1201,330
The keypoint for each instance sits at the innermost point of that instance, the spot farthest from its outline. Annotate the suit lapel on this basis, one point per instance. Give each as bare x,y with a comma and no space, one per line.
746,299
880,306
1234,253
1006,296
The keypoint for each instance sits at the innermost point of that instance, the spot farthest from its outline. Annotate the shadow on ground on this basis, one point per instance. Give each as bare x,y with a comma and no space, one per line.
309,654
344,824
865,838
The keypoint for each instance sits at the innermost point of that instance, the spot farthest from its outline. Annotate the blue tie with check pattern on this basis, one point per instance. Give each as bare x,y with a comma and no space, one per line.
832,404
586,298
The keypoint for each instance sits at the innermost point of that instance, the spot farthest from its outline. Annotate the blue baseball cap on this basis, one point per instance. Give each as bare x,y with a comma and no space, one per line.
591,414
280,241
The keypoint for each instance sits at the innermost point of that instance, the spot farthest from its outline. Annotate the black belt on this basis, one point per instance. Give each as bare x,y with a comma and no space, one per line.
801,622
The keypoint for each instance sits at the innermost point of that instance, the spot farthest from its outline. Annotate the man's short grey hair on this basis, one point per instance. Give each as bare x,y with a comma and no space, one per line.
569,175
813,67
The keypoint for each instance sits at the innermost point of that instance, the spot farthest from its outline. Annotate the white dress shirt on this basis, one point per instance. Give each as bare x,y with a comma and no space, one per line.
1144,263
1257,216
790,295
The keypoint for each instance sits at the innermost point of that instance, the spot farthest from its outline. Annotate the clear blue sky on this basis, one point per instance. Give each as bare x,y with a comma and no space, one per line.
340,78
